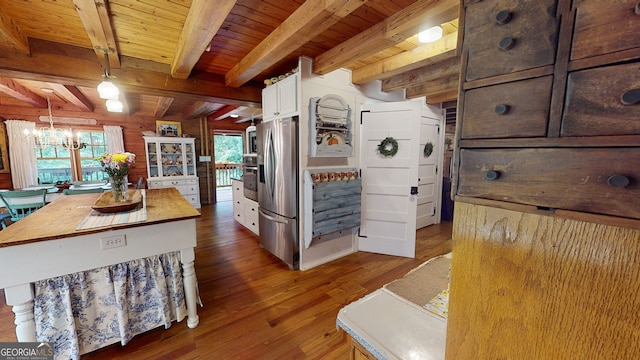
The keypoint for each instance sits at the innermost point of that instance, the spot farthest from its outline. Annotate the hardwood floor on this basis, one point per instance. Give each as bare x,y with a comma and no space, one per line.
255,307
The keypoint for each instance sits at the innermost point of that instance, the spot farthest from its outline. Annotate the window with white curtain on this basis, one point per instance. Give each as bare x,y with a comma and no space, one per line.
56,164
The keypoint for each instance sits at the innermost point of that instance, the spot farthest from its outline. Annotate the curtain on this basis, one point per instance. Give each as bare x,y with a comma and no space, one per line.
85,311
22,154
115,142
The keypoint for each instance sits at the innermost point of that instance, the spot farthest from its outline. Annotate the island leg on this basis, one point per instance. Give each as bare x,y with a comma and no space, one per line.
187,257
20,297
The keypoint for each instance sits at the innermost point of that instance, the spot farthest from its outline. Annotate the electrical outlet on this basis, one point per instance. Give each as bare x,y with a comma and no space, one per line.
111,242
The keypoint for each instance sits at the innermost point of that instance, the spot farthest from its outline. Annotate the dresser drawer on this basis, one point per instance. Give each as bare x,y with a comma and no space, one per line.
507,110
505,36
595,180
603,101
604,27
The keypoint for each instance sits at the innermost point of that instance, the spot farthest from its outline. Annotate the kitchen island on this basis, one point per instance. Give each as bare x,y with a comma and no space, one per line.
52,242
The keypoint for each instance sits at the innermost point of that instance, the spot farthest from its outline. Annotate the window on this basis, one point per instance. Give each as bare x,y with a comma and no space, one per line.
58,164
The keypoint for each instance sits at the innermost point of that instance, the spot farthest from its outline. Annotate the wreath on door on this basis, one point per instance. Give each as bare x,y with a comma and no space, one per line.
428,149
388,147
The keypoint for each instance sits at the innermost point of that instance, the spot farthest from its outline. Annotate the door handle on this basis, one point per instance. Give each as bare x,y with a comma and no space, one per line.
271,217
414,190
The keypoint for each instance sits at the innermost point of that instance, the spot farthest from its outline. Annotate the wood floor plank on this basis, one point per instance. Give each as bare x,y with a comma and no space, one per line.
255,307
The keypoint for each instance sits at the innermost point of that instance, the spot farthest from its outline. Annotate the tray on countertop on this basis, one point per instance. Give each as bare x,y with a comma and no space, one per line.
105,203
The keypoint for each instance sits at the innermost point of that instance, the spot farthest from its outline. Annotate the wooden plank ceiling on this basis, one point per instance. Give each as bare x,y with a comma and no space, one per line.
193,58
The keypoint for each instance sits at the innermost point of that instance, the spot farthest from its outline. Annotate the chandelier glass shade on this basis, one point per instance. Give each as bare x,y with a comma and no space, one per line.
51,136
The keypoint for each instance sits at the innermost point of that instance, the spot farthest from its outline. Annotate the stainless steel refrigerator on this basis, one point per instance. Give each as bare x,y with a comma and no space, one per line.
278,188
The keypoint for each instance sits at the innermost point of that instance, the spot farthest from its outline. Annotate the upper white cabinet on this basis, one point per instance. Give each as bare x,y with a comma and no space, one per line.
171,162
280,99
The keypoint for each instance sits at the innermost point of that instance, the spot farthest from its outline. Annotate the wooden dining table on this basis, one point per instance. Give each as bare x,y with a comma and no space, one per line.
51,243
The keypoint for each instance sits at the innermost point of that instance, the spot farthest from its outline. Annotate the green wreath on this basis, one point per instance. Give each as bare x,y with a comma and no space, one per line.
428,150
388,147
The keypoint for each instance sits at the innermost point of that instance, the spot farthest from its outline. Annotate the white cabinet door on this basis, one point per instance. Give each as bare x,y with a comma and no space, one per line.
280,99
270,102
287,96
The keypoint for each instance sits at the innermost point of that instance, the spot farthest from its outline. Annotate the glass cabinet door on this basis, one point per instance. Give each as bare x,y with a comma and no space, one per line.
172,159
153,159
190,164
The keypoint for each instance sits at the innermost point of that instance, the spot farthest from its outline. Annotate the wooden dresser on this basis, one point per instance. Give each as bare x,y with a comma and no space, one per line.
546,256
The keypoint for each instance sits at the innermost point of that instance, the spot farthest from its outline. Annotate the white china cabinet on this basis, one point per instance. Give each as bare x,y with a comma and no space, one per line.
171,162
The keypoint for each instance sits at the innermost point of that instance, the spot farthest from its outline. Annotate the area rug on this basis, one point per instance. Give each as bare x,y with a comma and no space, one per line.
425,286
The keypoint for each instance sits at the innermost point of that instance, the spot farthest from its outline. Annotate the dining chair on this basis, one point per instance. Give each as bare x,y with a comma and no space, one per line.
21,203
3,218
139,183
82,191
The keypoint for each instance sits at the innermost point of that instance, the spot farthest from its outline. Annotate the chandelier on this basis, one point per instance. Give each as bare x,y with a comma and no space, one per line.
50,136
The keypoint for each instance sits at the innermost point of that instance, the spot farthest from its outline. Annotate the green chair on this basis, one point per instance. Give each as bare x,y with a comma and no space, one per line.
21,203
82,191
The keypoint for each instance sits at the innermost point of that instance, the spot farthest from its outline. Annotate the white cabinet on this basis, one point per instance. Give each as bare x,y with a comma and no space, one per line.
281,98
171,162
245,211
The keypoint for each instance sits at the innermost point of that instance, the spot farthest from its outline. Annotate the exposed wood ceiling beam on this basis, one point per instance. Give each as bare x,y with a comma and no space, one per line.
77,66
409,21
437,90
407,61
200,108
162,105
97,23
203,22
12,35
309,20
16,90
424,75
222,113
73,95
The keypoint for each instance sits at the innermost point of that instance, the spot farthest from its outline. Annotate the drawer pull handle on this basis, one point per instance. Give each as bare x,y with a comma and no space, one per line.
492,175
507,43
630,97
501,109
637,9
504,17
618,181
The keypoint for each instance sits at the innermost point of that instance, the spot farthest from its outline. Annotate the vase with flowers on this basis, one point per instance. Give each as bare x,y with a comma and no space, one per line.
117,166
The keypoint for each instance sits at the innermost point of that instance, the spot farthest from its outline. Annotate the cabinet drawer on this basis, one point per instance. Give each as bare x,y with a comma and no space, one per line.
505,36
604,27
507,110
595,103
587,179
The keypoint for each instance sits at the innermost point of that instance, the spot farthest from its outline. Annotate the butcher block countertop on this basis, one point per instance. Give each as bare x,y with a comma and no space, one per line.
60,218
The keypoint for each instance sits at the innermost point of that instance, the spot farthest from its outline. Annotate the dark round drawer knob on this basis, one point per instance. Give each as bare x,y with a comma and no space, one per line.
504,17
507,43
631,97
492,175
618,181
501,109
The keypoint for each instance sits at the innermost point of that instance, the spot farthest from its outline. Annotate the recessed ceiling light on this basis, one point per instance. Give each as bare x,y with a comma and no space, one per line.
430,35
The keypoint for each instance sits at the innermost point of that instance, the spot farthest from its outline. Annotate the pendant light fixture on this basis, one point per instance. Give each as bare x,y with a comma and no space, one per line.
50,136
108,90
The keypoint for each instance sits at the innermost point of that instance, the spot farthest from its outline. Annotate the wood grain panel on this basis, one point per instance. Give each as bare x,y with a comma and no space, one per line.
527,286
571,179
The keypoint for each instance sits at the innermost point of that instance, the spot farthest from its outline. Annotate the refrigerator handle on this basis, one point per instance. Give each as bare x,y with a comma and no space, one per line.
269,217
269,164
